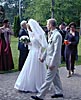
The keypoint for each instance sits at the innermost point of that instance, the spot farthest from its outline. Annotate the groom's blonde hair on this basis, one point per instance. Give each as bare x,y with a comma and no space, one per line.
52,21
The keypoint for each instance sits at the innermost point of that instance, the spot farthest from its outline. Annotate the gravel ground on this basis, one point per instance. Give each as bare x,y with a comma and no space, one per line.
71,86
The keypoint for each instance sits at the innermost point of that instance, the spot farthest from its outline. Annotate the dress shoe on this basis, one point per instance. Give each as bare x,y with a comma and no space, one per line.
72,72
68,76
35,98
57,96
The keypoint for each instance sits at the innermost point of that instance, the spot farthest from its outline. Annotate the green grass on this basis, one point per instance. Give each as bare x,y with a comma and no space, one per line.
79,53
15,53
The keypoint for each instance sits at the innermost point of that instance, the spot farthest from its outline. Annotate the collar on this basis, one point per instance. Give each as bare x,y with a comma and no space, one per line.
54,30
52,34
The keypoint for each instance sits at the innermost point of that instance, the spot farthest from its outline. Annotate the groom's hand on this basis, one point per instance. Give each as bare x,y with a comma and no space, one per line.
51,67
41,60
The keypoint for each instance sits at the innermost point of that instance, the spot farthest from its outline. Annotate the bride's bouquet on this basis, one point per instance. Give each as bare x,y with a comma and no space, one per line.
25,40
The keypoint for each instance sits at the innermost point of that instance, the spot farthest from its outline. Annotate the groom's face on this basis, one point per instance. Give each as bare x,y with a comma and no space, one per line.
48,25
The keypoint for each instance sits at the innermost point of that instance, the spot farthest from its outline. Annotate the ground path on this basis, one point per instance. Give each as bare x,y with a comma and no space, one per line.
71,86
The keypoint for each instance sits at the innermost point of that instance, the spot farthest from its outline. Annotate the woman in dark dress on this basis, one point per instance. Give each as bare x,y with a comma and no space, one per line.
6,61
72,38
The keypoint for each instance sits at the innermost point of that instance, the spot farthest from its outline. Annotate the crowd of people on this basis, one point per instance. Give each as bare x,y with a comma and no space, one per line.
40,58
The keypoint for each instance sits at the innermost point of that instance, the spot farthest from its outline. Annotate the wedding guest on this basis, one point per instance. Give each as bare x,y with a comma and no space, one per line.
6,60
23,50
71,48
63,33
32,75
53,59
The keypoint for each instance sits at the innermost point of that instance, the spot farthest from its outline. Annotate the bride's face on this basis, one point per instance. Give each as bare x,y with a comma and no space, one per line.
48,25
29,28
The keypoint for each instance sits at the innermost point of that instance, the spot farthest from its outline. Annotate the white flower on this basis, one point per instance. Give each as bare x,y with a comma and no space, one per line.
24,39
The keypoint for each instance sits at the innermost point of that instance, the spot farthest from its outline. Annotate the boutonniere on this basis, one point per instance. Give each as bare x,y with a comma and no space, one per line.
50,41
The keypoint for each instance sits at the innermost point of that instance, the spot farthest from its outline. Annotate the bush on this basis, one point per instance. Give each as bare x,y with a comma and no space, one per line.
16,26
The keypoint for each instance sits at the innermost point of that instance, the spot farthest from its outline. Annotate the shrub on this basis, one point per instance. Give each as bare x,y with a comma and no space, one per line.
16,26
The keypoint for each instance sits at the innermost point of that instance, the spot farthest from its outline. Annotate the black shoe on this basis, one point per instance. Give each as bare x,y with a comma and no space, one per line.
35,98
57,96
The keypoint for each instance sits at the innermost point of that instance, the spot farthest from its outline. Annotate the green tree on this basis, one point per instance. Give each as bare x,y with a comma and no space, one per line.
37,9
64,10
2,14
16,26
11,9
68,10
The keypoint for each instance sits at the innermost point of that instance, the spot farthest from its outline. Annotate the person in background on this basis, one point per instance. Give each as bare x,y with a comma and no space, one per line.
23,50
71,41
67,29
6,60
63,33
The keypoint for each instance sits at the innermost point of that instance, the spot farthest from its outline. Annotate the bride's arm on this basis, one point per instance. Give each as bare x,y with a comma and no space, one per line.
42,53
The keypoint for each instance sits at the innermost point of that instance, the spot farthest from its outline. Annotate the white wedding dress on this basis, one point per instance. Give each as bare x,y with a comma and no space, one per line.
32,75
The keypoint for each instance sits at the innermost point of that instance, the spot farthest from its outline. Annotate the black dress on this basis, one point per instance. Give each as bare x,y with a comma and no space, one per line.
71,50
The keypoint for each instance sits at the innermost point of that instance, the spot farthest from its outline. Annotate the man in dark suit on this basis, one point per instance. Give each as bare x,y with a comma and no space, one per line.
63,34
23,50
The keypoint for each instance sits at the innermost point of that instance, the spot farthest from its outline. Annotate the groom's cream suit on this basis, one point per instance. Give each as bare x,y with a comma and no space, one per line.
52,56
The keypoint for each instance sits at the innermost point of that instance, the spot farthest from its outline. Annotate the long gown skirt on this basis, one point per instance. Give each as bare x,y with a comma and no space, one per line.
32,75
6,60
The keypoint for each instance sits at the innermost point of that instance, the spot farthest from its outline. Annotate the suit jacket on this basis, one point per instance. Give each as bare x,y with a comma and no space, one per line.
53,51
72,48
21,46
63,34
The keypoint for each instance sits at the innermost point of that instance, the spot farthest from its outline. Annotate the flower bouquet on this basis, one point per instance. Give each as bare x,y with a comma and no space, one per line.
25,40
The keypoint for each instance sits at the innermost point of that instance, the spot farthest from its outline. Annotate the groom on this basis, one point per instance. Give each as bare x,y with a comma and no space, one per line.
53,59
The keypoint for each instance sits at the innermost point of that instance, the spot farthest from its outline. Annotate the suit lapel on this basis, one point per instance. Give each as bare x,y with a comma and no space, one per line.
50,39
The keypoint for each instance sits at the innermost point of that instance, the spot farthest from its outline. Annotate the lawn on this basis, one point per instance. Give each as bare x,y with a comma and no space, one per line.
15,52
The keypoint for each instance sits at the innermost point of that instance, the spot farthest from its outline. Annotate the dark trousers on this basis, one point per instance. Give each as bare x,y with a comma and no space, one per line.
62,52
22,58
70,61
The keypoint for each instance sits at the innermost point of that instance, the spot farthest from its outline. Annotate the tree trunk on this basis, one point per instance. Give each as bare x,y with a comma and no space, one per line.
52,9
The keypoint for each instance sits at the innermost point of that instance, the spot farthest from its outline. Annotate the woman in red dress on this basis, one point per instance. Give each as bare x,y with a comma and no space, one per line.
6,60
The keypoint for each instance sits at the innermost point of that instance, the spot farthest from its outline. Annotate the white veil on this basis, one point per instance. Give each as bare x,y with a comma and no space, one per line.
38,32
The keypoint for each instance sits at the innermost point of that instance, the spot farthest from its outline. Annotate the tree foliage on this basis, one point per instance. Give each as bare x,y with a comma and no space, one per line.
68,10
2,14
16,26
64,10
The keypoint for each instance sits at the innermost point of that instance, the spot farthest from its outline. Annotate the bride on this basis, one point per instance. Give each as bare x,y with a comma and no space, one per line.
32,75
